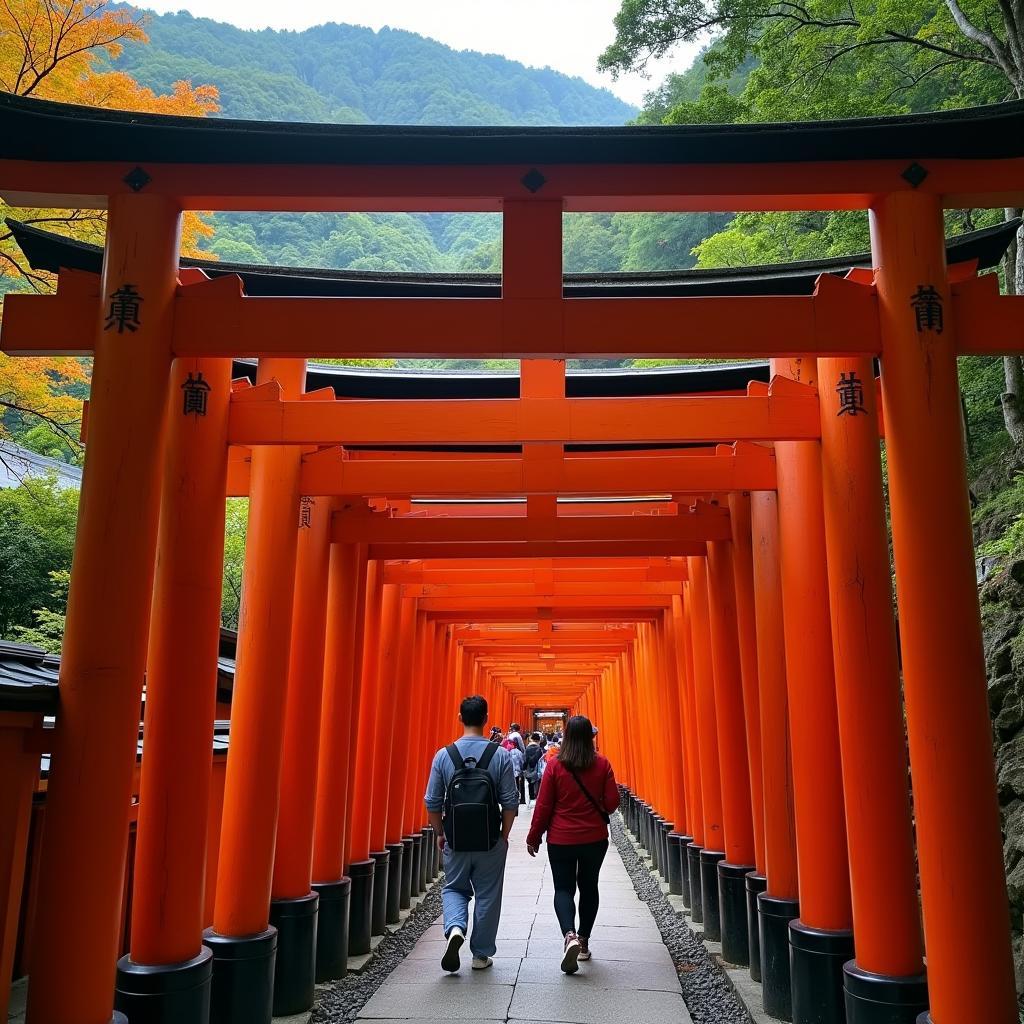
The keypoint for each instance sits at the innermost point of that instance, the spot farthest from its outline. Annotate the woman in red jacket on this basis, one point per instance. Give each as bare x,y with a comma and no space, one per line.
577,794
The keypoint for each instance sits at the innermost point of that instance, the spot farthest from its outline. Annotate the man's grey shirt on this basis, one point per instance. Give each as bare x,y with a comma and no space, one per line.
500,769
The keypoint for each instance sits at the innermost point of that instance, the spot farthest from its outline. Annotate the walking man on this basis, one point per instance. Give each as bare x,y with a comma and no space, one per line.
472,802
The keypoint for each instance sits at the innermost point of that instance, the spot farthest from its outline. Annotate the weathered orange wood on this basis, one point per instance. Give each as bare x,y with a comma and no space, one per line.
425,574
251,786
19,773
732,738
338,708
78,916
380,529
777,774
817,778
955,803
181,676
498,588
364,764
294,846
687,725
883,871
513,549
805,185
388,687
330,472
746,627
263,420
704,688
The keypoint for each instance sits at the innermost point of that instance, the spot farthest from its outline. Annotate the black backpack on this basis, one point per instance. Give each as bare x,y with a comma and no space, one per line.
532,759
471,817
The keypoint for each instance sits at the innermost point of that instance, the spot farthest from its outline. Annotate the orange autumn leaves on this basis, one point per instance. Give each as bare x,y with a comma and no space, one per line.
57,50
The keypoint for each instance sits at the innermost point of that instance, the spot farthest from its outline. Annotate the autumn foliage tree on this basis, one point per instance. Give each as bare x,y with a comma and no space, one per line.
56,50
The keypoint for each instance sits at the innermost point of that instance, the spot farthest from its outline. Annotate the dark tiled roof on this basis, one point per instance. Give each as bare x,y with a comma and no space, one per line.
33,129
28,679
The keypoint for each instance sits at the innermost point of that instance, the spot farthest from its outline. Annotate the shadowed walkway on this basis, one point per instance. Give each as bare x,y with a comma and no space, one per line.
631,977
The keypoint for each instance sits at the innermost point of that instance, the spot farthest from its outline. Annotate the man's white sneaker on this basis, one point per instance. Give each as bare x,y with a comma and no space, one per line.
450,960
481,963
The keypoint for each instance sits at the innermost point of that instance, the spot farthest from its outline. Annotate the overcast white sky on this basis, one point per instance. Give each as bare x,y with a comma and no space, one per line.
567,35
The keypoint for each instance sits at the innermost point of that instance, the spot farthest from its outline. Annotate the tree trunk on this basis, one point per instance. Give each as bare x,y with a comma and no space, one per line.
1013,368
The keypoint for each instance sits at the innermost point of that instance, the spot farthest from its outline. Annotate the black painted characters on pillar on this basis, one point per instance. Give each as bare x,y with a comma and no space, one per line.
305,512
927,305
123,313
850,390
194,393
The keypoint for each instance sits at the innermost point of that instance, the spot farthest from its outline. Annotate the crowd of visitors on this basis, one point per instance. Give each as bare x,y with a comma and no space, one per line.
477,785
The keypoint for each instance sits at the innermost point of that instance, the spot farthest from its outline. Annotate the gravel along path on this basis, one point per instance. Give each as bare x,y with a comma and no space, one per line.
706,991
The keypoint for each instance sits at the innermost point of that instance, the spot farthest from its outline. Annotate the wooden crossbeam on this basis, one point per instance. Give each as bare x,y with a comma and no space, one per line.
260,419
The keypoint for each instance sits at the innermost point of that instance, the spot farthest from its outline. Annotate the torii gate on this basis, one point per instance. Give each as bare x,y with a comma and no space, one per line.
816,540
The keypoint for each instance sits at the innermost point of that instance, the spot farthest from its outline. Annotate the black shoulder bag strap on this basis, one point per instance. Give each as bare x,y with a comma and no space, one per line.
453,753
486,757
586,792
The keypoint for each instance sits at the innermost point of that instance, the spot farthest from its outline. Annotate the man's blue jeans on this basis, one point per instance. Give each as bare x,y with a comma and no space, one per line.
474,874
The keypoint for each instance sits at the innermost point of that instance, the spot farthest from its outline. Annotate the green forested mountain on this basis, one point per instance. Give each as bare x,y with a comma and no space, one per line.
345,73
349,74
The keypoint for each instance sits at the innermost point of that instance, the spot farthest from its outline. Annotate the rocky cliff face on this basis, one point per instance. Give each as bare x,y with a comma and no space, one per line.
1002,606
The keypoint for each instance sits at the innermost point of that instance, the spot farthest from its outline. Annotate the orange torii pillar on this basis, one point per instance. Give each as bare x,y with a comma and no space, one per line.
294,903
693,759
404,695
886,981
416,840
713,852
737,816
746,625
362,868
78,917
383,731
169,967
346,581
778,904
674,697
694,825
821,940
955,805
426,856
244,942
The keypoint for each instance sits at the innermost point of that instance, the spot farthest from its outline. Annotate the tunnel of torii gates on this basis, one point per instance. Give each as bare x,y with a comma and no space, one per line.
706,575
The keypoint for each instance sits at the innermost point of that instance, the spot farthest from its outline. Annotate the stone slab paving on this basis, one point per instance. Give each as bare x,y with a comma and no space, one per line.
632,978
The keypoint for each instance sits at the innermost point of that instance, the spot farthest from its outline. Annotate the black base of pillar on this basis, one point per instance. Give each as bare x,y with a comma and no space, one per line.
676,853
732,907
423,878
684,863
392,908
773,917
693,852
361,907
379,914
242,991
880,999
405,896
755,884
432,863
332,929
666,831
655,840
165,993
816,959
709,861
417,866
295,967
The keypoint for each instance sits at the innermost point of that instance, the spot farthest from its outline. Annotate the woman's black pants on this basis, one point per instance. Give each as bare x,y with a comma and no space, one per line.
576,866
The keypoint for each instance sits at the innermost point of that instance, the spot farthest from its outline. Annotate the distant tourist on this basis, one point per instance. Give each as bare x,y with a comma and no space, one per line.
531,765
577,794
517,765
472,802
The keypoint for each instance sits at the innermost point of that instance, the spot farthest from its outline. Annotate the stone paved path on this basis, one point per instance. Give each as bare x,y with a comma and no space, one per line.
631,978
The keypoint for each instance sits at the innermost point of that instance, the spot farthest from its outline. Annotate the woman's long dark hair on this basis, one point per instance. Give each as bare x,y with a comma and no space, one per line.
577,750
